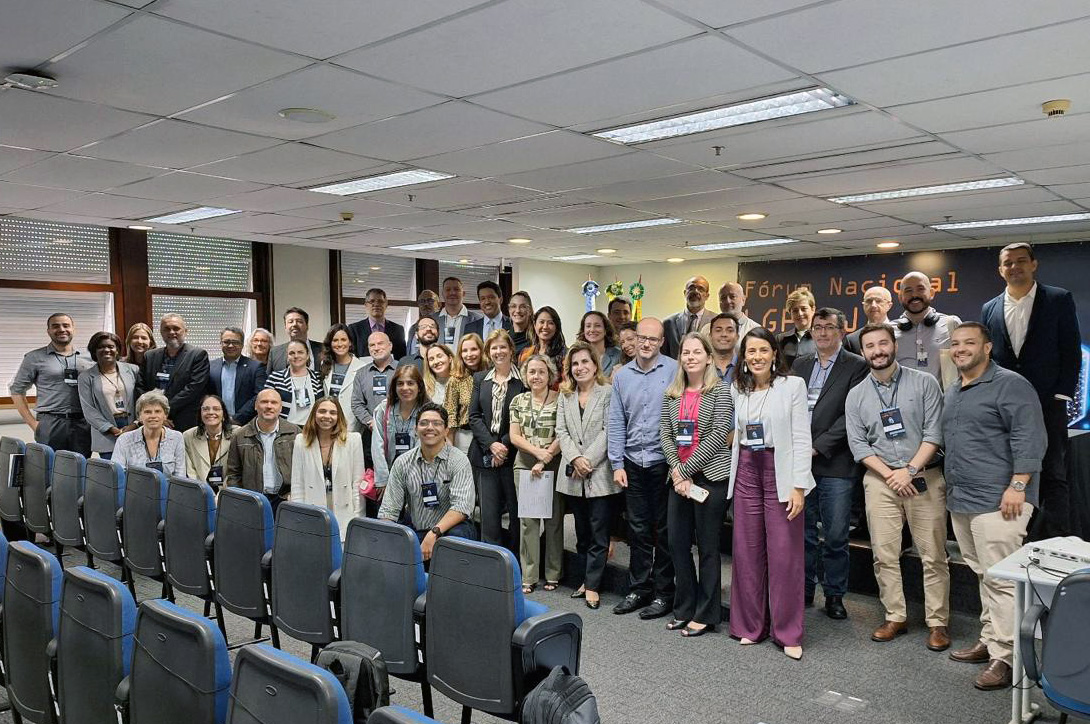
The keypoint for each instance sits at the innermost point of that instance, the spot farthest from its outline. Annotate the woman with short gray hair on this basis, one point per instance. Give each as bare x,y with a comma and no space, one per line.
152,445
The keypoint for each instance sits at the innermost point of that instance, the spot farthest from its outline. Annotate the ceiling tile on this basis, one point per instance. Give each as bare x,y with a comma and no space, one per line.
934,207
177,67
1080,191
453,194
258,223
13,158
318,28
468,55
351,97
290,163
629,167
34,31
523,154
82,174
1040,131
416,220
36,120
1029,159
19,196
585,215
1056,176
886,30
754,195
718,13
1011,59
801,208
448,127
181,186
270,199
895,176
110,206
649,83
175,144
847,160
361,208
681,184
975,212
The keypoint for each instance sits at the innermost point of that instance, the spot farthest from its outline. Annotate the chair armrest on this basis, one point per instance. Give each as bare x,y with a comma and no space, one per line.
1027,637
542,642
51,654
266,562
335,583
209,544
419,606
333,588
121,701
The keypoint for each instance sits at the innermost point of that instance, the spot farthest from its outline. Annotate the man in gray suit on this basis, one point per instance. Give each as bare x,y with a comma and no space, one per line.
691,319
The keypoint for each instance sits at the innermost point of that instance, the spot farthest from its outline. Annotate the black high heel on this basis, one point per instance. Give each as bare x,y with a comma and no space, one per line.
694,632
677,623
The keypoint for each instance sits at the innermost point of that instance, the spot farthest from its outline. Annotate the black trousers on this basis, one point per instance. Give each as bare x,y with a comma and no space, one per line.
63,433
498,496
650,570
593,517
699,598
1053,518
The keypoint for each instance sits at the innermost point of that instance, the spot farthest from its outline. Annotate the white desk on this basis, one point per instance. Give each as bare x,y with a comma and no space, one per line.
1015,568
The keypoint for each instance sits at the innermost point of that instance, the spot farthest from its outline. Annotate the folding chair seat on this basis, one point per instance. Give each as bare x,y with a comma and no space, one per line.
144,508
93,648
37,480
487,646
306,552
67,487
273,687
244,534
32,593
190,520
180,672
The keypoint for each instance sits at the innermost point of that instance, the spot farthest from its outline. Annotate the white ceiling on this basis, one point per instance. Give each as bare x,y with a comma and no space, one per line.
169,104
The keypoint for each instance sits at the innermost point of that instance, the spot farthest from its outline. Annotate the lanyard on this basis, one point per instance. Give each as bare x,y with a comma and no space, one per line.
821,379
401,425
158,447
433,478
116,385
693,410
896,382
535,416
760,409
63,358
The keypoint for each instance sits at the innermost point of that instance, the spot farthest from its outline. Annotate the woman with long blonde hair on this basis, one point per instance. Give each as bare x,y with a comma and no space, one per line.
327,463
470,360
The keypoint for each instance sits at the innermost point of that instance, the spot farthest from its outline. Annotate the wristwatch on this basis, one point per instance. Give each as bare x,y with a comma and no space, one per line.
1018,486
437,531
913,470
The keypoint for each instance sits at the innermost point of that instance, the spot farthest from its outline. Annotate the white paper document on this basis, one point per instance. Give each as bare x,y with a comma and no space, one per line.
536,495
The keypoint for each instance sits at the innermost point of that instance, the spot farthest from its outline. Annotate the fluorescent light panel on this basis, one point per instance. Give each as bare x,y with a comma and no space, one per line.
436,244
624,225
992,183
764,109
575,257
742,244
384,181
1012,222
184,217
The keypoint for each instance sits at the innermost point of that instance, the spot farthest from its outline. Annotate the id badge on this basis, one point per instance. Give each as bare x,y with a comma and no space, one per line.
162,379
448,335
71,375
685,431
812,395
119,405
336,383
755,435
156,465
429,493
302,401
892,423
378,385
402,442
215,475
921,356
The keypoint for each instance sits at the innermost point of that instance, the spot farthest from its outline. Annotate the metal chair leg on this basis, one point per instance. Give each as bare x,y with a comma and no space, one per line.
467,715
425,694
275,636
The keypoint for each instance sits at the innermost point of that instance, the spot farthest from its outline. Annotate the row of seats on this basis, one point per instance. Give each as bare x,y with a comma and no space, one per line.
295,577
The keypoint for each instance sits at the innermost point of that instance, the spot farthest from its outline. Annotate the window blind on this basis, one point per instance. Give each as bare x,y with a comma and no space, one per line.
395,275
470,274
197,262
206,317
45,251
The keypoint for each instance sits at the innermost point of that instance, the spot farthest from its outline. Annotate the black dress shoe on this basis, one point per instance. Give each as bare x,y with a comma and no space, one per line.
834,607
630,603
657,609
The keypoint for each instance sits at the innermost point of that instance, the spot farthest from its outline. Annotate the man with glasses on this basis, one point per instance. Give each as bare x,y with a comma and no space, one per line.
635,454
236,378
427,303
830,375
877,301
692,319
376,321
427,334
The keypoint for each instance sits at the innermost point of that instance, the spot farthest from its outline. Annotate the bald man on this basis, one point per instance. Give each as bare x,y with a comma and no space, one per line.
923,333
635,454
179,370
732,299
877,301
691,319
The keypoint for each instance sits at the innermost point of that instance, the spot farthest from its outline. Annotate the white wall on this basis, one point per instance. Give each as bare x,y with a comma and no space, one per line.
557,285
301,279
664,284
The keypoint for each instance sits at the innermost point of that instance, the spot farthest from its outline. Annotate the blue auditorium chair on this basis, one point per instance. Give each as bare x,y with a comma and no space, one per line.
144,507
273,687
398,715
1062,671
187,546
486,645
93,647
11,504
37,479
180,671
244,534
66,489
103,496
381,577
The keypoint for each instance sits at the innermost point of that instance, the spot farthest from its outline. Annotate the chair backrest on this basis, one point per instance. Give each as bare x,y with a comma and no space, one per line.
1065,677
191,516
244,533
11,506
273,687
382,574
31,604
94,644
37,475
306,551
145,505
103,496
3,570
475,603
69,475
395,714
181,673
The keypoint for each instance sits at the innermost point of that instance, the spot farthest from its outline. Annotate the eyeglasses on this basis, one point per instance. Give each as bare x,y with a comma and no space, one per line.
643,339
437,424
230,343
825,328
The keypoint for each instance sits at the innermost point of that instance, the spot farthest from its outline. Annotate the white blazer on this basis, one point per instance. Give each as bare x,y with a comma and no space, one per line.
308,480
345,397
788,425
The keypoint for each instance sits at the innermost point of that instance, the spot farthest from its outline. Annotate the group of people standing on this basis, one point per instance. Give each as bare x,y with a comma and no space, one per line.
659,423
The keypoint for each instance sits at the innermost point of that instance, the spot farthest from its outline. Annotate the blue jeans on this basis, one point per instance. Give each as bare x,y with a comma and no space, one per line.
831,503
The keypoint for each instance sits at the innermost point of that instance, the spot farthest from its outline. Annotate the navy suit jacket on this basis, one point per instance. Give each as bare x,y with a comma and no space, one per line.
361,330
249,379
477,326
1051,355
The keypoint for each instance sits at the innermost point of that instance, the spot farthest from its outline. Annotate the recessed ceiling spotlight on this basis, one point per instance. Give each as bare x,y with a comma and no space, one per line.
829,231
463,261
754,216
675,260
606,250
306,115
140,227
375,268
519,240
888,244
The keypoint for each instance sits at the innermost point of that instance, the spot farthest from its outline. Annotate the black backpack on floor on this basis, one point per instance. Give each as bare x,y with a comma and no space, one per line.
560,699
362,673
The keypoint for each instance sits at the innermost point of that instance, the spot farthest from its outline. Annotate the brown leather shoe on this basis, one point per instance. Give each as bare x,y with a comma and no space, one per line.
889,631
997,675
975,654
938,639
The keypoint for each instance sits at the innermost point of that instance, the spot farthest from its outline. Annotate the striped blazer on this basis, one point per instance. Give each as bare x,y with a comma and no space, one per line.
714,423
280,380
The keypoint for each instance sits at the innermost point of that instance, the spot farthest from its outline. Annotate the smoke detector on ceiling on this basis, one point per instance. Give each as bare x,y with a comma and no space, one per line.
30,81
1058,107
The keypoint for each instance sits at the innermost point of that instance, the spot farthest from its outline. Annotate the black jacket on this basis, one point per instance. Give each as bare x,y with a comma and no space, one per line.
188,382
361,330
278,356
480,418
249,379
827,428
